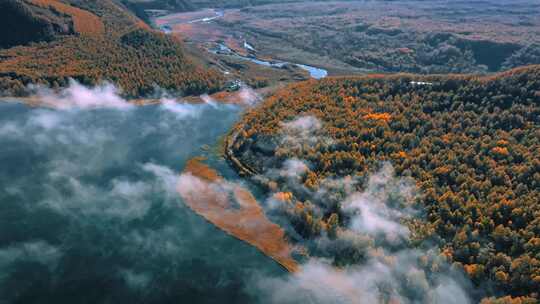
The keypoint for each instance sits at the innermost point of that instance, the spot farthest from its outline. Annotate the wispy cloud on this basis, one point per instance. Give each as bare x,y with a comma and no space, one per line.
382,206
401,281
36,251
181,110
136,280
294,168
248,96
303,130
80,173
376,265
303,125
77,96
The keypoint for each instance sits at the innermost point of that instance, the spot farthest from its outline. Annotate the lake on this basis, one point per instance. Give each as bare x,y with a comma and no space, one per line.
89,213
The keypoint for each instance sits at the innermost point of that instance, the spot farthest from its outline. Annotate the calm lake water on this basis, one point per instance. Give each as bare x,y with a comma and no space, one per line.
89,213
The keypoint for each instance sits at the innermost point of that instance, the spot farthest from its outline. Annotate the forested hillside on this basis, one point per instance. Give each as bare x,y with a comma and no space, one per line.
471,144
21,24
188,5
92,41
141,7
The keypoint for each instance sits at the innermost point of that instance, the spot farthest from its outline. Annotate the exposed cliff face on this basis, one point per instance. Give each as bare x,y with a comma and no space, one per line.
22,23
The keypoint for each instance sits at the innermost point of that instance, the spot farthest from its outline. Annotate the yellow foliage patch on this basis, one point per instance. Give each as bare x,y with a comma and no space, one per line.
501,276
283,196
386,117
471,269
349,99
502,151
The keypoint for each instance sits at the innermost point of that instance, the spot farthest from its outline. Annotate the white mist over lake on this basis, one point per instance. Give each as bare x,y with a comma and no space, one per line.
88,207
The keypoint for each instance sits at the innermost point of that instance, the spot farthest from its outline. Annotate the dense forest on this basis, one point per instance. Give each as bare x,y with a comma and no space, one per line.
471,144
22,25
91,42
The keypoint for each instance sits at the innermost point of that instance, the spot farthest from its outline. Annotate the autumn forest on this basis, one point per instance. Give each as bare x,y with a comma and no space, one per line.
471,144
270,151
95,41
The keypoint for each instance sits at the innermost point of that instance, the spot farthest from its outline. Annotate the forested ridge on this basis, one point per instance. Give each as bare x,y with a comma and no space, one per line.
471,144
21,25
189,5
101,41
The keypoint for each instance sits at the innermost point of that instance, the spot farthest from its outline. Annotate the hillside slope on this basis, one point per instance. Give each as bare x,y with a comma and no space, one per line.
189,5
21,23
472,144
95,41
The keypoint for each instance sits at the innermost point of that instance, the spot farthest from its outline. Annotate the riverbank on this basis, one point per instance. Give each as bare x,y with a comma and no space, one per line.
230,52
248,54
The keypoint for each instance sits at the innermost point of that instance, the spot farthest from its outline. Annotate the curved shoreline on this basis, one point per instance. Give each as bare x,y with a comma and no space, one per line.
234,210
242,169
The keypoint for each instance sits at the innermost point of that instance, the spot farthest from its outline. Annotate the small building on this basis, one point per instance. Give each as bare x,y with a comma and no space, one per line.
421,83
166,29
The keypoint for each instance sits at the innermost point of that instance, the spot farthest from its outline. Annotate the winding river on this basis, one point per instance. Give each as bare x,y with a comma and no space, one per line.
314,72
167,22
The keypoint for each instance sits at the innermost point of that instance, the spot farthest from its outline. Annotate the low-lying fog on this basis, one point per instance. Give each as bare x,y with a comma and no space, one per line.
89,211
